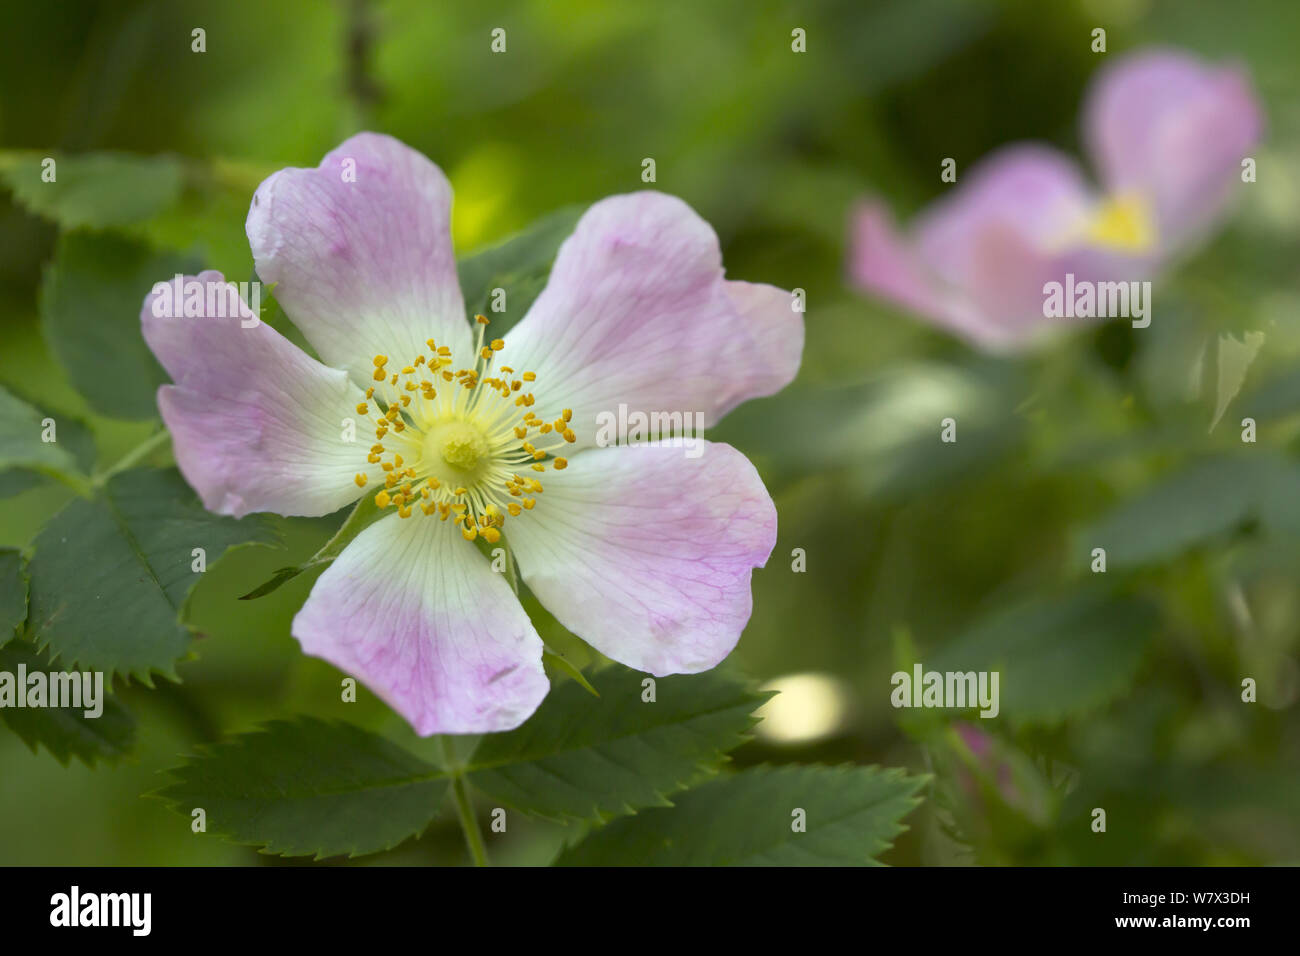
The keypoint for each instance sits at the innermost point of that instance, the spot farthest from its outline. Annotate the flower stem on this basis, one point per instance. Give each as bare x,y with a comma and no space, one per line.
135,455
468,822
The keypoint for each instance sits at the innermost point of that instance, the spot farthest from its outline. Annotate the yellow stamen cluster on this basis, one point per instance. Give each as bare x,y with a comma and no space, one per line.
457,452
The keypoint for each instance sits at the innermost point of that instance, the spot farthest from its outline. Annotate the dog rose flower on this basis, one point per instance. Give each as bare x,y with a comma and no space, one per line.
1167,134
643,551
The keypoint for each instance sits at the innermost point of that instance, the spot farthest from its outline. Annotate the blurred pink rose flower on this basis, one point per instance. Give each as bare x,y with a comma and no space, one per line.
1166,134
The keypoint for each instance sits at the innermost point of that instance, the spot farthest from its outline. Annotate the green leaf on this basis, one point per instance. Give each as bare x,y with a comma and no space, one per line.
520,265
21,444
66,731
1055,656
364,513
13,593
90,315
561,663
1207,500
1235,359
23,466
309,787
96,190
851,816
587,758
110,575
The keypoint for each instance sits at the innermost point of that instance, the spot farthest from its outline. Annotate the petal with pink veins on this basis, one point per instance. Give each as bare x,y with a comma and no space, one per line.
256,423
417,614
646,553
637,312
360,252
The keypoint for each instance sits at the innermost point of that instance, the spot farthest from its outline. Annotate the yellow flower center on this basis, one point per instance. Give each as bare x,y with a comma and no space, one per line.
454,443
1123,223
459,443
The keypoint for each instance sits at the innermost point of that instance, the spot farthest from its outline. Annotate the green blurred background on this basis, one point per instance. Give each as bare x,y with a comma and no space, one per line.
915,550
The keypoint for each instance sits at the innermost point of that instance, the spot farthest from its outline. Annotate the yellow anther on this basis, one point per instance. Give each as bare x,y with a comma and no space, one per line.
567,414
561,464
481,319
569,436
468,437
